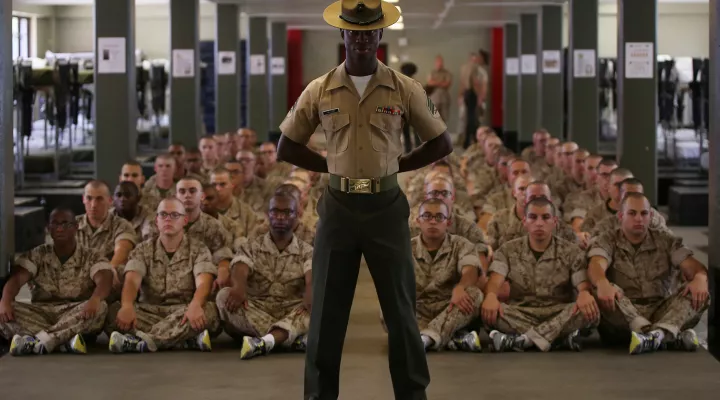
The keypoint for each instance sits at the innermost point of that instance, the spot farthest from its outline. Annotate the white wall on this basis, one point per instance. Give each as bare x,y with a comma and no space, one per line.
320,52
683,30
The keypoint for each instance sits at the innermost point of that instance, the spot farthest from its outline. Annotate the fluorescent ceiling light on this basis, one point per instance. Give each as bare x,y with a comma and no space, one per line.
398,26
391,1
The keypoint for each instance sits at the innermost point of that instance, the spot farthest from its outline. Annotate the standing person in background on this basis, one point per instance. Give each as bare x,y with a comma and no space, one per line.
410,70
472,94
439,81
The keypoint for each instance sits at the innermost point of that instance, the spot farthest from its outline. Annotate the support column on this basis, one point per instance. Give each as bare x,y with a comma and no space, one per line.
278,75
258,91
529,93
115,93
637,91
227,68
511,86
583,83
551,86
7,174
714,181
185,120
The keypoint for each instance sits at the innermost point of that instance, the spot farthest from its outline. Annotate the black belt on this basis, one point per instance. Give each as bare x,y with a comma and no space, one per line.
363,185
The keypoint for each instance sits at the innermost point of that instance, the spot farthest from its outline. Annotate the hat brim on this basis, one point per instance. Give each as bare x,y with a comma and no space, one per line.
391,15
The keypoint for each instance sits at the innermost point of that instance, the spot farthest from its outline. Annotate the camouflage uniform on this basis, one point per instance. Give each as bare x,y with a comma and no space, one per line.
279,170
207,230
545,172
301,231
59,293
168,286
149,201
236,231
577,204
151,183
244,215
596,220
106,236
482,181
541,290
151,190
142,220
435,280
499,200
505,226
275,289
569,185
650,280
459,226
256,194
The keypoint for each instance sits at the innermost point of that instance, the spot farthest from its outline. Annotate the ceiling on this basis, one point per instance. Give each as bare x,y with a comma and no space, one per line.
417,14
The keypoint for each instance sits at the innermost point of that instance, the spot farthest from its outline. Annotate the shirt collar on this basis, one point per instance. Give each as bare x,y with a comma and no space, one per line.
381,77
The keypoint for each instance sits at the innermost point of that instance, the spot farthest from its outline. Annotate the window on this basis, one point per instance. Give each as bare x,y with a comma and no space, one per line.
20,37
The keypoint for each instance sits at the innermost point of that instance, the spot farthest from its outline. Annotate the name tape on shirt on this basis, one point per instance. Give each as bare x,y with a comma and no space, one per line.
330,112
389,110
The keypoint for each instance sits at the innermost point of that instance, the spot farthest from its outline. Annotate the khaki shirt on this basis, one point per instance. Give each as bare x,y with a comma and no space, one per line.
547,281
168,281
436,277
469,73
54,282
104,239
363,132
256,195
459,226
276,278
208,231
441,95
649,272
505,226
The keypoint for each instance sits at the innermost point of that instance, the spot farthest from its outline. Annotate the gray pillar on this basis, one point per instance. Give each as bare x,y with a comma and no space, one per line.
185,122
714,181
7,183
278,75
511,86
583,83
551,86
227,68
258,91
529,94
637,91
115,96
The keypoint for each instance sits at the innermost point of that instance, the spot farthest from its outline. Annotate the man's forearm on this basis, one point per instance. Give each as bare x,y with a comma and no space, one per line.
129,292
596,273
494,284
427,153
204,285
239,275
300,155
11,289
121,253
103,284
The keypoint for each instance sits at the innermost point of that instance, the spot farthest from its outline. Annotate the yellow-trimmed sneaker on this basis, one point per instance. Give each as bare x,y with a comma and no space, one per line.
203,341
25,345
77,345
643,343
252,347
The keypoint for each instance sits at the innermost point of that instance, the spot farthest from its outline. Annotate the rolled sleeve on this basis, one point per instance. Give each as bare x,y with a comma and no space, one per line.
100,266
577,213
130,237
499,267
241,258
467,261
600,252
423,115
679,255
204,267
579,277
302,120
136,266
488,208
307,266
25,263
221,254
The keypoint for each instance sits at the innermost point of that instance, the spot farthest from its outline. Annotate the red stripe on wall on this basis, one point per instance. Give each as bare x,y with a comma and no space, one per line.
294,67
496,76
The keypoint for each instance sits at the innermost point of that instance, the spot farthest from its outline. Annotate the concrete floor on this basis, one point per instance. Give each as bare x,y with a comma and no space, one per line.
595,373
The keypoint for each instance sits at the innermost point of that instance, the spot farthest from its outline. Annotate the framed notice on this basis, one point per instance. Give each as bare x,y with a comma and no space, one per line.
528,64
639,61
584,63
111,55
551,62
227,63
257,64
512,66
277,66
183,63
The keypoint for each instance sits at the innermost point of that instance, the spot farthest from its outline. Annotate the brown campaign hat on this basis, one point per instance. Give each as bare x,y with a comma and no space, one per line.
361,15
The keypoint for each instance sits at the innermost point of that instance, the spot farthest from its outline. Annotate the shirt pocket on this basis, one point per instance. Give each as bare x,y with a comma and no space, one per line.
337,131
385,131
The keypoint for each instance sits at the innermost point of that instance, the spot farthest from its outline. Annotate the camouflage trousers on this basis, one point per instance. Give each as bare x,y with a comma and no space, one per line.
542,325
260,318
52,324
672,314
160,324
440,324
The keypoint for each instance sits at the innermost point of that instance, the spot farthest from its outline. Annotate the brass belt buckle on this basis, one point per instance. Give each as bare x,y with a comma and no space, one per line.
361,186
